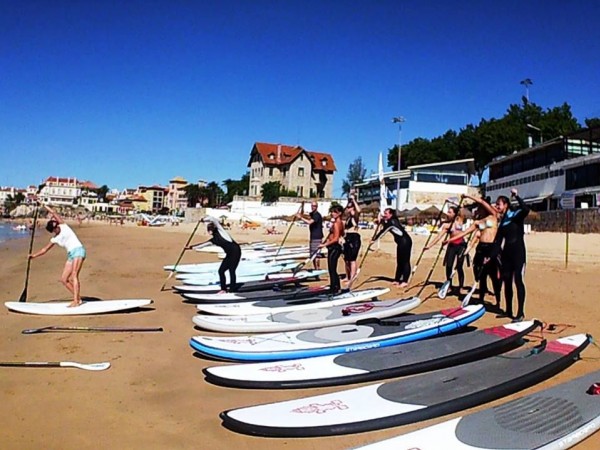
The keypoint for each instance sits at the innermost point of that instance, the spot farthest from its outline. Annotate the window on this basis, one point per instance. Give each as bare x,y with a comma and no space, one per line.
270,171
300,171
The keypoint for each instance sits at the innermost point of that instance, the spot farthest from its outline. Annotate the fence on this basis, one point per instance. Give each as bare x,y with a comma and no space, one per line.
581,220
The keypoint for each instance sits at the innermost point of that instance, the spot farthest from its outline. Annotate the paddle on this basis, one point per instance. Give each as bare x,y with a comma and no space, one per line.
300,210
109,329
437,221
467,298
362,261
444,289
93,366
439,253
185,247
23,297
305,262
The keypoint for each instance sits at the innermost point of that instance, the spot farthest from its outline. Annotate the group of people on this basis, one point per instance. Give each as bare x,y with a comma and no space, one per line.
344,241
497,233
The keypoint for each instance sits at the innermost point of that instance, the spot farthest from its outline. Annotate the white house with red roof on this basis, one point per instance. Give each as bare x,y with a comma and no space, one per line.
308,173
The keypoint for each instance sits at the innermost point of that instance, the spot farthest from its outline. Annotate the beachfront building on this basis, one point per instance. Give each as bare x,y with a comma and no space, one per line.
421,186
67,192
154,198
542,174
307,173
176,199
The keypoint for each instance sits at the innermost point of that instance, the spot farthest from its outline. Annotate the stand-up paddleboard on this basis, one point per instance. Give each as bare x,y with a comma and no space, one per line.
260,283
375,364
306,319
409,400
552,419
87,307
213,276
273,304
300,292
335,340
211,280
243,267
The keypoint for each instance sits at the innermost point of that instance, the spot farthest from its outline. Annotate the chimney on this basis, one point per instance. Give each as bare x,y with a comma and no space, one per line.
278,153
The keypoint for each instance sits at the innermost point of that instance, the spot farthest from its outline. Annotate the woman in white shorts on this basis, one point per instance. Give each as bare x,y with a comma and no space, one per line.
66,238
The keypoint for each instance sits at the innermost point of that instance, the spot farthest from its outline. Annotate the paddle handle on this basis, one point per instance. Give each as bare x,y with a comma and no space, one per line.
30,364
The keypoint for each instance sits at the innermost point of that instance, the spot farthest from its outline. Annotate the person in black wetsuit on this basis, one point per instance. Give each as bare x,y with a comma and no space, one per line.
351,238
510,237
403,241
334,249
233,252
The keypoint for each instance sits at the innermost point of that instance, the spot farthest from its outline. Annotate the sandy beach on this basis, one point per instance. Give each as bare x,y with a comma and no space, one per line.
154,395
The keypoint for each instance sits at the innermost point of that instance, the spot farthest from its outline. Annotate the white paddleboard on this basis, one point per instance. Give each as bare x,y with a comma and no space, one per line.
306,319
287,305
88,307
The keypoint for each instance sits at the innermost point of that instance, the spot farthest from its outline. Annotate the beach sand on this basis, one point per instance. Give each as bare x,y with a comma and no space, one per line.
154,395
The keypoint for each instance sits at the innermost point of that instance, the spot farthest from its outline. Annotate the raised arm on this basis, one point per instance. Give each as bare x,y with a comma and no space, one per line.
464,233
489,208
54,214
441,233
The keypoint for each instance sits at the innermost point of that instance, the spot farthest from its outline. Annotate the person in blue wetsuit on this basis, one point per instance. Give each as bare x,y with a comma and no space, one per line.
510,237
233,252
390,222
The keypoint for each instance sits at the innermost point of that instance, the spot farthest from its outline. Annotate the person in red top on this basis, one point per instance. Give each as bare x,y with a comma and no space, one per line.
455,253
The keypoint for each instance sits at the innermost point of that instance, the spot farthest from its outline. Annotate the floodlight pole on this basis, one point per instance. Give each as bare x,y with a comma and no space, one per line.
399,120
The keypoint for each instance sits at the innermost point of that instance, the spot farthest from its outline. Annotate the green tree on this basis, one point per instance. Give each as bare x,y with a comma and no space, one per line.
271,191
236,187
101,192
356,174
592,122
194,195
215,194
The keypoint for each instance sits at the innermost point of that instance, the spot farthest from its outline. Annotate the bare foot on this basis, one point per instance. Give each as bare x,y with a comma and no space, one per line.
74,304
222,292
395,283
403,285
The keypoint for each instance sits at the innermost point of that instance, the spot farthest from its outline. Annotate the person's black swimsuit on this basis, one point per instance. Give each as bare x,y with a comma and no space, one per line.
511,231
351,240
233,254
403,248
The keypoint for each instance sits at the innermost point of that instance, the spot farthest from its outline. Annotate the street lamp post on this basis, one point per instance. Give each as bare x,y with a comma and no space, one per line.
399,120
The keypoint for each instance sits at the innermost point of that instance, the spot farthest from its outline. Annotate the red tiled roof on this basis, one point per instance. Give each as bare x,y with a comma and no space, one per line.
68,180
278,154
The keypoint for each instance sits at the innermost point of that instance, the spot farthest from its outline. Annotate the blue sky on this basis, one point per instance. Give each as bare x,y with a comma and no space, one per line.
136,92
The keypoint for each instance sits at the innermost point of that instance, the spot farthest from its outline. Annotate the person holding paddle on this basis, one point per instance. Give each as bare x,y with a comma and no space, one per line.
334,248
391,223
315,229
485,262
455,252
233,252
65,237
351,238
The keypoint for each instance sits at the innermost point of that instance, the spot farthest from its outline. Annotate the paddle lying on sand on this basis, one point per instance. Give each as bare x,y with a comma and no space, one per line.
181,255
92,366
100,329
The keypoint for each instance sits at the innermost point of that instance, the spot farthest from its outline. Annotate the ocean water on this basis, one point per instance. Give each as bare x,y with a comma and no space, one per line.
6,232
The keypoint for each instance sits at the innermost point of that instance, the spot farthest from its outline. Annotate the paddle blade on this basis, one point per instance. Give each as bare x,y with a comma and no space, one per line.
444,289
467,298
23,297
93,366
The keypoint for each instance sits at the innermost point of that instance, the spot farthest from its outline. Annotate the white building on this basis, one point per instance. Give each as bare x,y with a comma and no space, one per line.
543,173
421,186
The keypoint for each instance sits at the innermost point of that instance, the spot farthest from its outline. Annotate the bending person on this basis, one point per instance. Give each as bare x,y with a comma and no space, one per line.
65,237
455,252
351,238
233,252
510,236
403,241
334,249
